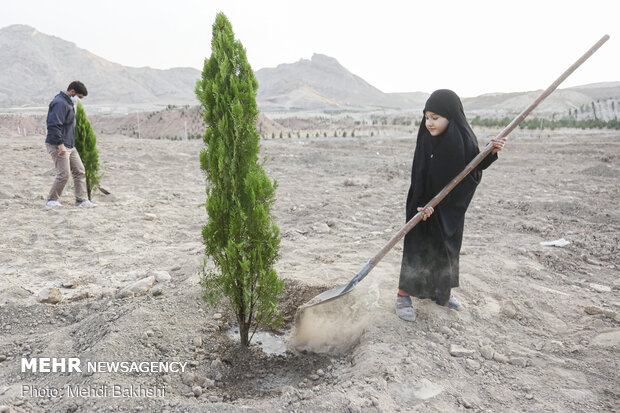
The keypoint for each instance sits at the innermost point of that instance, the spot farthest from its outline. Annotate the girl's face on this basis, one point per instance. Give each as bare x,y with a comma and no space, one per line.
435,124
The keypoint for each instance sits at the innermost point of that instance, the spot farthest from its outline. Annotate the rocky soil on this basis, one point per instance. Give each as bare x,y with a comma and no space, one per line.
539,331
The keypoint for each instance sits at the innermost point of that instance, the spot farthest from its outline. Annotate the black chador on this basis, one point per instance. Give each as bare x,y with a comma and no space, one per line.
430,266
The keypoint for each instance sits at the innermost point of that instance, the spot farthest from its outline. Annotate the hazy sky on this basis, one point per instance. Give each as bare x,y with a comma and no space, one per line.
470,46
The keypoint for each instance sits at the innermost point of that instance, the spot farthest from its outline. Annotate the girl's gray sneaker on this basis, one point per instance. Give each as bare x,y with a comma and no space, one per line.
454,304
404,309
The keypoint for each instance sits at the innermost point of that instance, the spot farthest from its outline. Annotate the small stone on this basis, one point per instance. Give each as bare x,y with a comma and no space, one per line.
508,309
500,358
217,364
576,348
72,283
592,310
458,351
289,395
609,339
518,361
427,390
197,342
107,293
2,357
600,288
5,409
374,401
209,383
161,276
197,390
49,296
189,378
313,377
149,333
214,399
473,364
352,408
529,396
322,228
157,290
137,288
320,373
79,296
150,217
487,352
217,316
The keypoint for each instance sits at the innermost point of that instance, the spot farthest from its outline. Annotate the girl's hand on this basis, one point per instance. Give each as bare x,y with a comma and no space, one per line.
428,211
498,144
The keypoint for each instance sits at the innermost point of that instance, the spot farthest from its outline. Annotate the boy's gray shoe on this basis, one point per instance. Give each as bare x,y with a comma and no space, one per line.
404,309
86,203
52,204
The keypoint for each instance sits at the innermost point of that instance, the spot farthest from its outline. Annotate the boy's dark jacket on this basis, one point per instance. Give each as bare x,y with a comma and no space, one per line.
61,121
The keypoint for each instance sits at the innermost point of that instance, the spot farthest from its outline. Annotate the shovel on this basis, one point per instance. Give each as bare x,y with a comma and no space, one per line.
342,290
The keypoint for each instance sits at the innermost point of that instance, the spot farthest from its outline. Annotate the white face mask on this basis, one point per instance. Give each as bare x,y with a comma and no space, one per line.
75,99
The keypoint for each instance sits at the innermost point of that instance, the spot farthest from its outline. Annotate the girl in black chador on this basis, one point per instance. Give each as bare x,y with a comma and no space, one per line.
445,145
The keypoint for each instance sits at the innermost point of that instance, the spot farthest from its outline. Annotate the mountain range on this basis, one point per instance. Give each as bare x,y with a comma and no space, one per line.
323,83
36,66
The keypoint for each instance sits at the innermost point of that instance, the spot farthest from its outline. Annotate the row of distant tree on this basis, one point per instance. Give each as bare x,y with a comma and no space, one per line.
542,123
280,135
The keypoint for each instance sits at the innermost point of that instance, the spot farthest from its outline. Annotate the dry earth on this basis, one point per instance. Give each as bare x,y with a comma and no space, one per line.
539,332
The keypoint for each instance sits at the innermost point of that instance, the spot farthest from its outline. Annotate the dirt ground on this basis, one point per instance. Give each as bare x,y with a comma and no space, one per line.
539,331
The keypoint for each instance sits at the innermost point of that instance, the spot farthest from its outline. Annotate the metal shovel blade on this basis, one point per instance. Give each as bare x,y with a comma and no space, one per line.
339,291
327,296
